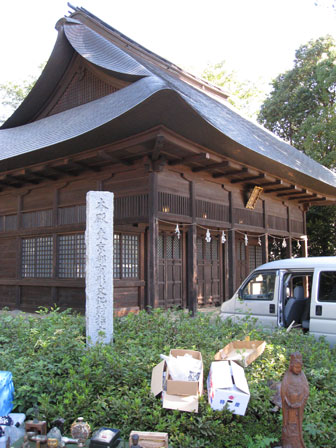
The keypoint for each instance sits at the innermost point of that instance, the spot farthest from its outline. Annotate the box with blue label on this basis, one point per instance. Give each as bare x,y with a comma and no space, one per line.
6,392
227,386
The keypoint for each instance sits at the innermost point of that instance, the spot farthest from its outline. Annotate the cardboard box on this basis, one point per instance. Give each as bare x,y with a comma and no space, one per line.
151,439
180,395
227,386
242,352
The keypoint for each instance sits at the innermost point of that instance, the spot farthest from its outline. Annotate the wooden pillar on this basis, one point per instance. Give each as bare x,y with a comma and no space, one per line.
192,254
264,239
264,248
305,247
153,236
289,251
232,261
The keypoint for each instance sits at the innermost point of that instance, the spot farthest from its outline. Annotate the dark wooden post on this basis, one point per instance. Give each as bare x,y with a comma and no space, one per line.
289,251
153,236
305,244
192,254
232,261
264,248
264,239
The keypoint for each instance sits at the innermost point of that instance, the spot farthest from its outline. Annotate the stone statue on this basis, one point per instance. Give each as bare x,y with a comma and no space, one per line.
294,394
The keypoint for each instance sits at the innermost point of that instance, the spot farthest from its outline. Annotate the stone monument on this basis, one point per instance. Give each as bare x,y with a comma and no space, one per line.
294,394
99,267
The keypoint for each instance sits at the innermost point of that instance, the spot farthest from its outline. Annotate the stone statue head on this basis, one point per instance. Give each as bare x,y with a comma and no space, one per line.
295,364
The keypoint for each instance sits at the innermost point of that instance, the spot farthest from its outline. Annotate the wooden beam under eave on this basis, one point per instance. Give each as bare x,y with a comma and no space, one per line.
307,201
230,173
284,188
61,170
84,166
272,183
212,166
200,157
111,159
248,179
292,193
16,183
307,196
40,175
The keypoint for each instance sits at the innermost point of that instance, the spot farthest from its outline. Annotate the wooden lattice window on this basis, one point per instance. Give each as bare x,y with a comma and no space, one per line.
207,251
8,223
72,215
255,257
37,257
71,256
126,256
40,218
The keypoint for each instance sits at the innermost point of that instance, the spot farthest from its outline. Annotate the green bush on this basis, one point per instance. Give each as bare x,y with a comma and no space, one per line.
110,385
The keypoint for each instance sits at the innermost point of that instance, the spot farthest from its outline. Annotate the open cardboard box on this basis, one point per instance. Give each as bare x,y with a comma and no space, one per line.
181,395
150,439
242,352
227,386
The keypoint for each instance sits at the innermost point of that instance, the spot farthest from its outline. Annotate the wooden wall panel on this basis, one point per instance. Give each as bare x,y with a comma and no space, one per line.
38,198
8,204
173,183
8,248
34,296
212,192
126,297
296,213
71,298
276,208
75,192
238,199
133,183
8,296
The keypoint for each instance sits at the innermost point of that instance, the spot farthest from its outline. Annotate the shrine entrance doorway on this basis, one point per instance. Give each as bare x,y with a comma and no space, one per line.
170,270
209,271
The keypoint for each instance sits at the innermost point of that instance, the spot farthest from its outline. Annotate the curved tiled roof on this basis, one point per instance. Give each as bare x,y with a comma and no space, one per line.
99,51
186,110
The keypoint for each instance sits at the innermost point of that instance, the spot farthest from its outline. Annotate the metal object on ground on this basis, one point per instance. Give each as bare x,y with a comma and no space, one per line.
80,430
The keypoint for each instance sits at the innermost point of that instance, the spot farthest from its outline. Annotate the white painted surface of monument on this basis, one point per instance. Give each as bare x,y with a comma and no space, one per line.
99,267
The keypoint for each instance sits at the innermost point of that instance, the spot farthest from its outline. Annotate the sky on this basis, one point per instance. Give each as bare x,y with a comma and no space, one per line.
256,38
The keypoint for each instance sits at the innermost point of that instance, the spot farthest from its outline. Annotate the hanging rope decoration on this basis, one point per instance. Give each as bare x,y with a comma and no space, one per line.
223,237
208,236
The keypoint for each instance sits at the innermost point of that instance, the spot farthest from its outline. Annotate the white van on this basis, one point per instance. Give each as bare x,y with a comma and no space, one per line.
297,292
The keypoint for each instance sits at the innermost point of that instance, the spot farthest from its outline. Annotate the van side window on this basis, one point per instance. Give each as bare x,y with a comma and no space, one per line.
327,286
259,287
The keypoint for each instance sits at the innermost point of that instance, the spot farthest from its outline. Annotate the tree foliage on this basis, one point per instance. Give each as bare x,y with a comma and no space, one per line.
301,106
12,93
301,109
244,95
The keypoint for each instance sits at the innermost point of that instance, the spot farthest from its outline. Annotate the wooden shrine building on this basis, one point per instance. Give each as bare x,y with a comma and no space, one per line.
201,193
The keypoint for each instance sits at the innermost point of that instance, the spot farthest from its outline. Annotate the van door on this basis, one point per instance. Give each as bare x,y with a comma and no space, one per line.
323,307
258,297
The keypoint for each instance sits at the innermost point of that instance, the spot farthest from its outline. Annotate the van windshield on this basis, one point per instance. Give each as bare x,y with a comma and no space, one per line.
259,287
